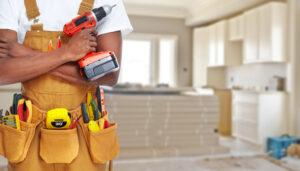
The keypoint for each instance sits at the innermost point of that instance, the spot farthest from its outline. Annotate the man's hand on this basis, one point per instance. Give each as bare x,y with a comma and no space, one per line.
107,42
14,49
80,44
4,48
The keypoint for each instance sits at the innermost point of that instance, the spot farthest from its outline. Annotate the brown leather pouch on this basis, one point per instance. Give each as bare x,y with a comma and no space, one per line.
103,145
59,146
14,144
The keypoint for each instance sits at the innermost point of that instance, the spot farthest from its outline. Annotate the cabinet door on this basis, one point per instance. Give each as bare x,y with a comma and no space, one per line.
212,45
272,32
264,33
233,29
251,36
240,27
200,56
220,40
236,28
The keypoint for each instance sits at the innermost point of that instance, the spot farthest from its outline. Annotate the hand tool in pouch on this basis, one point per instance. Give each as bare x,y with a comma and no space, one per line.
25,110
12,121
100,99
58,119
95,64
95,110
89,98
50,46
104,123
16,98
58,44
84,111
92,125
74,123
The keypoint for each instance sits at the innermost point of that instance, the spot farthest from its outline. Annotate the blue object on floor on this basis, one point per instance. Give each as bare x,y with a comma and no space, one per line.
277,146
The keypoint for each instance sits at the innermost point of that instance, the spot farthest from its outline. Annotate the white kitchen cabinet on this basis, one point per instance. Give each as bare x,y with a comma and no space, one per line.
251,36
265,33
256,115
217,41
272,32
221,51
221,42
236,28
212,45
200,56
202,74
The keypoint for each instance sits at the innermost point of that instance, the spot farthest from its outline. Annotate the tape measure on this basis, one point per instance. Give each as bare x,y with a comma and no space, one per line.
58,119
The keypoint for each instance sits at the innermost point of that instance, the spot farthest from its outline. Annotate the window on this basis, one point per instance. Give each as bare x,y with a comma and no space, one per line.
167,62
136,63
149,60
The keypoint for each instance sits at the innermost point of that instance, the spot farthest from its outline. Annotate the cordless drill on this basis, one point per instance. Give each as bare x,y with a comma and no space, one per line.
95,64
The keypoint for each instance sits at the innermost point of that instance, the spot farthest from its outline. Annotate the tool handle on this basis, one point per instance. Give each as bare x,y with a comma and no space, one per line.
85,115
95,110
98,95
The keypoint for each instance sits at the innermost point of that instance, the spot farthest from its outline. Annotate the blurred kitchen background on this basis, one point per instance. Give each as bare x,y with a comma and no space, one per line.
204,84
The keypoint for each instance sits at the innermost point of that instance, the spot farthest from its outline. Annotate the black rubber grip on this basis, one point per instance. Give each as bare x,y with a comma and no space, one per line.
99,13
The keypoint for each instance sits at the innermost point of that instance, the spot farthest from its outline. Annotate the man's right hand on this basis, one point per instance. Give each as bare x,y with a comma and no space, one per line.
80,44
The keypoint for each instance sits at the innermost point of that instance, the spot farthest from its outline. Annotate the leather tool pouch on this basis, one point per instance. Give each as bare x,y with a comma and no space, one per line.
14,144
103,145
59,146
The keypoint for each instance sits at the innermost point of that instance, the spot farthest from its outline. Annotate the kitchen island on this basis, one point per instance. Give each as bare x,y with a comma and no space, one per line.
165,124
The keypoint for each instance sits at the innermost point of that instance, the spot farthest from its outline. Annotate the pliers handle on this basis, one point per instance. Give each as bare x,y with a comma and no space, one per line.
25,110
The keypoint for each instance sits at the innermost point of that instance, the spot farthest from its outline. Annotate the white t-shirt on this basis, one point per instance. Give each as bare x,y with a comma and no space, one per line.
56,13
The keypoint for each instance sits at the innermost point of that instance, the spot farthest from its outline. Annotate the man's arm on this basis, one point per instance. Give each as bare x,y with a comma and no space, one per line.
21,64
106,42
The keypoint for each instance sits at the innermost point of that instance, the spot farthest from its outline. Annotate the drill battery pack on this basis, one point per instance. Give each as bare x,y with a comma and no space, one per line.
96,65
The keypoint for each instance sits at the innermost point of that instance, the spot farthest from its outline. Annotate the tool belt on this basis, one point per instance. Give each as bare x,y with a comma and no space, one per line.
57,146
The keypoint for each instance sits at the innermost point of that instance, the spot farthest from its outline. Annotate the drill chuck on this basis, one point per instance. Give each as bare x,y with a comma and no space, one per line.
103,11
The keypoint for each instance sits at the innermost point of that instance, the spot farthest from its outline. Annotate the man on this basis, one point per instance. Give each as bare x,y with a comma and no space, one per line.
51,79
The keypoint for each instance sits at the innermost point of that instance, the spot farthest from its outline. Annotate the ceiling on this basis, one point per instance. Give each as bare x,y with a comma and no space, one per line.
169,3
195,12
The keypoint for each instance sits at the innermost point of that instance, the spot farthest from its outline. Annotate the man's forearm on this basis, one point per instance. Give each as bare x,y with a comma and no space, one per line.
106,42
70,73
18,63
18,69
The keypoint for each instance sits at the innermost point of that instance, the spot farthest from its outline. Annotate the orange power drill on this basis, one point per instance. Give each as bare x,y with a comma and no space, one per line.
95,64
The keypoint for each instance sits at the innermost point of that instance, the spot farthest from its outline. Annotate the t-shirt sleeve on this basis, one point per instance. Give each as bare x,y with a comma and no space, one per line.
117,20
9,15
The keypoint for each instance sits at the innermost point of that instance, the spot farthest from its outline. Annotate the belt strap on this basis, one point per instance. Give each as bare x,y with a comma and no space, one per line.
85,6
32,9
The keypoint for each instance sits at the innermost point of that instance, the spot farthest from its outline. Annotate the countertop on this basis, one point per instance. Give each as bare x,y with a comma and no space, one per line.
260,92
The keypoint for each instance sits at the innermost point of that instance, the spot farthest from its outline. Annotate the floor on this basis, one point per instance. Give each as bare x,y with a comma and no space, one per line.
199,164
242,157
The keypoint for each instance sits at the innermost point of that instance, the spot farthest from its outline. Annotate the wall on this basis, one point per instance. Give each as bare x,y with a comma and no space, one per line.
251,75
6,95
157,25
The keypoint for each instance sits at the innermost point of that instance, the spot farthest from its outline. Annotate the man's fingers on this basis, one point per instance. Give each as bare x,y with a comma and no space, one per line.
3,40
91,49
4,51
92,38
3,45
3,55
93,44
